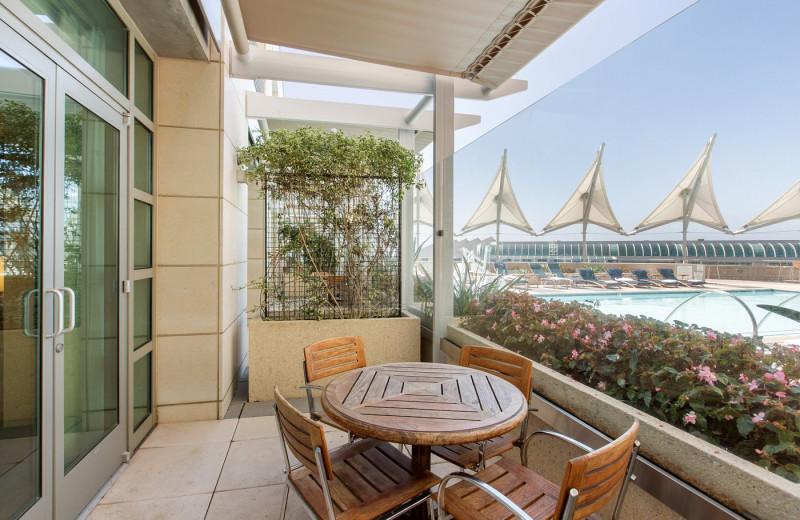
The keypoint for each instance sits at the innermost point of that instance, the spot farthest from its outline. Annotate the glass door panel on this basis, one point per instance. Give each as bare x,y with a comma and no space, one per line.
91,270
21,128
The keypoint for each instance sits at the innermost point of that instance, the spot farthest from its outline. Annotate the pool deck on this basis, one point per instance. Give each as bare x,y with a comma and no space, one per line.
711,285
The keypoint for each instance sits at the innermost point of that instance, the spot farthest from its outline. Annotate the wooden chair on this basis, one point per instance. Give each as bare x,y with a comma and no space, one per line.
515,369
327,358
590,482
368,479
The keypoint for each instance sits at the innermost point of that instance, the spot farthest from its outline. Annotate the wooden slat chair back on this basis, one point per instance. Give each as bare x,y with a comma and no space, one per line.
512,367
334,356
515,369
597,476
330,357
302,436
508,489
365,480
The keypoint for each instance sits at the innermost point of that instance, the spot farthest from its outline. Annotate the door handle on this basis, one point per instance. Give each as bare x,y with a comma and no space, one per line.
59,309
26,313
71,325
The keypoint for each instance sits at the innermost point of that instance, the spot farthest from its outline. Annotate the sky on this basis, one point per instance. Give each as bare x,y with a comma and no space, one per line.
706,68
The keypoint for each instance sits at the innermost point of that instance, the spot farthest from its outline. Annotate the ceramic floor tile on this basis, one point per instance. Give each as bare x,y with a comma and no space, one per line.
261,503
251,428
193,507
169,472
201,432
252,463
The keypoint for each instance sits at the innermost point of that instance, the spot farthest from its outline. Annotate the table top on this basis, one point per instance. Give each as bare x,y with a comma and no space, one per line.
427,404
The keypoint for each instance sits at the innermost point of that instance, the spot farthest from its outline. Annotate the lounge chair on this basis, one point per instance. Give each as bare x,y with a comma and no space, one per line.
669,274
539,273
589,277
556,270
616,275
642,276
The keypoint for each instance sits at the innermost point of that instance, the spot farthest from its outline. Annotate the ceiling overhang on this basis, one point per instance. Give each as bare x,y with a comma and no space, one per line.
173,28
485,41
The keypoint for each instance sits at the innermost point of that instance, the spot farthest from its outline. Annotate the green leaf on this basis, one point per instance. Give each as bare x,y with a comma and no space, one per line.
772,449
621,382
794,468
612,358
745,425
647,397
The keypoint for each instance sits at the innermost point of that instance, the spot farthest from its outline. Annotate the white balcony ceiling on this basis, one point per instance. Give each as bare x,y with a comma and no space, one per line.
486,41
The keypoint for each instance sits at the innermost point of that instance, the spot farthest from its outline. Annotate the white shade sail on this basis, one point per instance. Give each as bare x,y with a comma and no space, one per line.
500,205
787,207
589,203
692,200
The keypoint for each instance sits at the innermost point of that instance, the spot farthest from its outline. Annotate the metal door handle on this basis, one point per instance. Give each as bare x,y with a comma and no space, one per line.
71,325
59,309
26,312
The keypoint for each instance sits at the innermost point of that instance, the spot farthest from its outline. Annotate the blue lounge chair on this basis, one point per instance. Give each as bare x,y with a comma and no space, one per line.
537,271
641,275
669,274
616,275
556,270
589,277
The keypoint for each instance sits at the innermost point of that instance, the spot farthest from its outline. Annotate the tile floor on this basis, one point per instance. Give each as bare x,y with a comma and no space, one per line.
212,470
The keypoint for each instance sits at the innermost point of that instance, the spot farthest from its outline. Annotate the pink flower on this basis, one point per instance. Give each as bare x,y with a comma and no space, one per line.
627,327
513,315
517,328
545,323
591,327
768,375
576,333
574,354
537,307
540,339
690,417
707,375
607,335
760,452
743,378
780,395
780,377
728,417
601,385
553,326
490,310
710,335
758,417
752,386
494,326
657,389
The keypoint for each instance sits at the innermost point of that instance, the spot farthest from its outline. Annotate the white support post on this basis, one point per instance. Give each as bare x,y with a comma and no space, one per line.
443,149
406,139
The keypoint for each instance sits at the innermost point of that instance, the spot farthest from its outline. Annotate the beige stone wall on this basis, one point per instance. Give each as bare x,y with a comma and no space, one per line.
201,262
276,348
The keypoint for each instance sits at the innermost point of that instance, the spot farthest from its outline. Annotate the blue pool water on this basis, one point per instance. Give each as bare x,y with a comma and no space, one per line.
713,310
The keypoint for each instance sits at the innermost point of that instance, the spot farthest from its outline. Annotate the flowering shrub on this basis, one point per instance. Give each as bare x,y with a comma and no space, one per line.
726,389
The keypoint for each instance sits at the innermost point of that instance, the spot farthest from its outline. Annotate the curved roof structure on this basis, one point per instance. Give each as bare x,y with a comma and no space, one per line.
787,207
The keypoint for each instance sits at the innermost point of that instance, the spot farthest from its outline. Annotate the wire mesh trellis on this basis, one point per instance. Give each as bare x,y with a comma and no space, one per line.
333,257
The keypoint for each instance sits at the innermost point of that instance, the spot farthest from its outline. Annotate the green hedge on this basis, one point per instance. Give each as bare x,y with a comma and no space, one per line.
732,391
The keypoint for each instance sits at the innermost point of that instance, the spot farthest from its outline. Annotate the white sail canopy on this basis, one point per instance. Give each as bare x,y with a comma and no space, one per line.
500,205
423,206
589,203
692,200
787,207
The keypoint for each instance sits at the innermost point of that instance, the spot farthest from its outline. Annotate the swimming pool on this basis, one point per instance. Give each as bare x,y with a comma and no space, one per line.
713,310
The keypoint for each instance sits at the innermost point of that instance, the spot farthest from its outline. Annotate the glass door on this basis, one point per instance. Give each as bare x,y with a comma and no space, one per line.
90,423
27,92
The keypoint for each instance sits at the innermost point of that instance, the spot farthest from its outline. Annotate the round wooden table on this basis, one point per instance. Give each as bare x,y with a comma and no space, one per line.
424,405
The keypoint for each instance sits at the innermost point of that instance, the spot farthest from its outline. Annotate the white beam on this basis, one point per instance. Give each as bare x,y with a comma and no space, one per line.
417,110
233,15
443,149
260,106
324,70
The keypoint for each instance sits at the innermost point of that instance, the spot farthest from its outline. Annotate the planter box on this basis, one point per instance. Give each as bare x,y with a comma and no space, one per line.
735,482
276,348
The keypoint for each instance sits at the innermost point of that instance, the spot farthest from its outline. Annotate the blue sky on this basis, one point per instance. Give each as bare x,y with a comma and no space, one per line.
719,66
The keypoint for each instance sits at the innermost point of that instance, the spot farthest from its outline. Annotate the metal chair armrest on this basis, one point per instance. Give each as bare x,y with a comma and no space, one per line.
565,438
311,387
513,508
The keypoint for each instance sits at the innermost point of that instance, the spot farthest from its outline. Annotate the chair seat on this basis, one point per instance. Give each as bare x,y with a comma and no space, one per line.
467,455
533,493
370,478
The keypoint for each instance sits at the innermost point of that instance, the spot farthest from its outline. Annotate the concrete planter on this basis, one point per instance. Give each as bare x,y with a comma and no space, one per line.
276,348
740,485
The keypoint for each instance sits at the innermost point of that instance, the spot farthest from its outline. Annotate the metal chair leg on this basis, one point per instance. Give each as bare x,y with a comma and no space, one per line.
284,502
